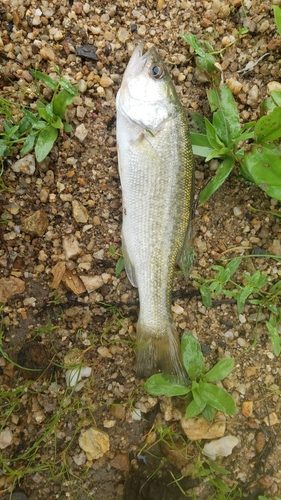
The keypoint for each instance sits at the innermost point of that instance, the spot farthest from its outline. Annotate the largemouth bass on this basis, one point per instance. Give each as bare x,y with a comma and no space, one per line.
156,171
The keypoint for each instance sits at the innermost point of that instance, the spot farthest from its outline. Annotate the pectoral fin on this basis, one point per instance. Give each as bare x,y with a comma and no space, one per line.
186,254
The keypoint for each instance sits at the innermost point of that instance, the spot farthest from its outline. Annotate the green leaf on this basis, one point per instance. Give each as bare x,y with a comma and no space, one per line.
276,96
119,266
209,412
32,117
194,409
268,128
67,127
220,371
212,136
45,142
222,173
12,132
61,101
4,150
206,295
274,335
277,16
192,356
161,385
47,80
27,145
205,61
217,397
24,125
200,144
261,165
66,85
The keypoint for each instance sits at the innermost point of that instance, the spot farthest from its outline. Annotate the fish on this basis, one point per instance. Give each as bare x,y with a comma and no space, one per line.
156,171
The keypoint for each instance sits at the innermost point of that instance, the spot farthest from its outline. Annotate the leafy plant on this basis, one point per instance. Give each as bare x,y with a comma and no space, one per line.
38,129
252,146
204,396
277,17
255,288
120,262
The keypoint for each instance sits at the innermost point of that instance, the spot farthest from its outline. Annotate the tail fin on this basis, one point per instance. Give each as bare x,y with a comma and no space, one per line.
159,353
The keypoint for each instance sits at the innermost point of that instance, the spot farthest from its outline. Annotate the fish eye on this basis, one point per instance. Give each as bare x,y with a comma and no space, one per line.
157,71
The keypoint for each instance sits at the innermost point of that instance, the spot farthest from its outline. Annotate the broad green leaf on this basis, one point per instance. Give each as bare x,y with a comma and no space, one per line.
39,125
194,409
61,101
200,144
222,173
225,114
119,266
212,136
66,85
24,125
4,150
47,80
242,297
12,133
27,145
276,96
220,371
161,385
209,412
268,128
192,356
32,117
261,165
266,106
217,397
45,114
277,16
45,142
206,295
67,127
274,336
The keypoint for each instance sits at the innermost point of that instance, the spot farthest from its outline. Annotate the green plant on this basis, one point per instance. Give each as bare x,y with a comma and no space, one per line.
204,397
25,129
120,262
199,467
277,17
257,289
253,146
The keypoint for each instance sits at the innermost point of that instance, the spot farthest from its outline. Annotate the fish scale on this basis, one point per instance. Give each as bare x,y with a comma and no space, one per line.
156,171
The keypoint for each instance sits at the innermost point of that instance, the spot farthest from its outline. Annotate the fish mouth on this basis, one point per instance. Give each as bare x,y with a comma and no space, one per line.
140,58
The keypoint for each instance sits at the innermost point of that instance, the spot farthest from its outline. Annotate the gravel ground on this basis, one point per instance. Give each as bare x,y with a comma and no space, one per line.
63,220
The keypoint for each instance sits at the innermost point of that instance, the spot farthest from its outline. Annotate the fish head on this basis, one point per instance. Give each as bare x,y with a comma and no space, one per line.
147,93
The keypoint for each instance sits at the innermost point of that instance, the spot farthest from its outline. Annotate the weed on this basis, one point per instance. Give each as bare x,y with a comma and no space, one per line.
120,262
252,146
257,289
25,129
198,466
204,397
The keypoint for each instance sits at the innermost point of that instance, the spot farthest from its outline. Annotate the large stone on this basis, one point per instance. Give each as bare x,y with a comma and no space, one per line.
9,287
220,447
36,223
94,442
201,428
